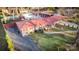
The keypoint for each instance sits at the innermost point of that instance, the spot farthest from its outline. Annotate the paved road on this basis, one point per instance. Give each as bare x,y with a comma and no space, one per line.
22,43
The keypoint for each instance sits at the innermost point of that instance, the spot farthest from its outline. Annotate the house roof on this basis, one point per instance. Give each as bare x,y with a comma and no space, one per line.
23,25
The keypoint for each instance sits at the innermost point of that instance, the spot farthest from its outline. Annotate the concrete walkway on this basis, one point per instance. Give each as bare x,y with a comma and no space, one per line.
59,32
62,32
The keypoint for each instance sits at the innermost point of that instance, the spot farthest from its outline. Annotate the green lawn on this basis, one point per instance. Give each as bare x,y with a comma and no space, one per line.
52,42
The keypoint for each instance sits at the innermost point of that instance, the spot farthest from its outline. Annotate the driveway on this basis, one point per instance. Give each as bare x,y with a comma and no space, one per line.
22,43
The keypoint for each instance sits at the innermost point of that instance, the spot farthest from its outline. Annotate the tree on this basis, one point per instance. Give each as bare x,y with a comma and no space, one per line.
51,8
3,41
77,39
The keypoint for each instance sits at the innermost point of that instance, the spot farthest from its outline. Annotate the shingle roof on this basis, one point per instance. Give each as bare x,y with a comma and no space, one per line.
23,25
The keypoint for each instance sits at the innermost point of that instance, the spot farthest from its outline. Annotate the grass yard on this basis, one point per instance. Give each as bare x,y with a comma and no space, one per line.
53,42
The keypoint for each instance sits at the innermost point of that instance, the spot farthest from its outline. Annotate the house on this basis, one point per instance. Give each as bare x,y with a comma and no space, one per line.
25,27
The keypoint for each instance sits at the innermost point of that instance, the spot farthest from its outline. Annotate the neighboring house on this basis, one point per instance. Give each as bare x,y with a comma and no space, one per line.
30,16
